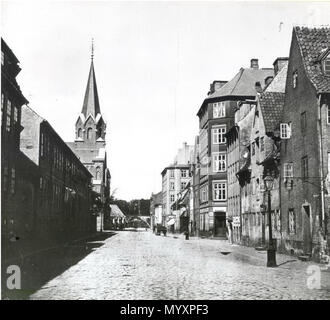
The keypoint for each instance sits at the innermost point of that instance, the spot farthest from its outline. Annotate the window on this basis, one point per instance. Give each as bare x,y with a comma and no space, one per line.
89,133
172,198
253,151
292,221
303,122
79,133
184,173
15,114
203,193
262,184
171,173
288,170
219,135
183,185
12,180
219,110
328,112
172,186
326,66
285,130
295,79
219,191
5,177
97,174
262,144
2,101
42,144
219,162
304,168
8,122
2,58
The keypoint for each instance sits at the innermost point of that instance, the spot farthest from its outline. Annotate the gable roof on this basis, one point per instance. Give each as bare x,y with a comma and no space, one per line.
116,212
278,83
271,105
312,43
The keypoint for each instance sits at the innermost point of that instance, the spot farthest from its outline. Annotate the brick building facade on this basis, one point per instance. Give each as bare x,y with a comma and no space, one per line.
305,143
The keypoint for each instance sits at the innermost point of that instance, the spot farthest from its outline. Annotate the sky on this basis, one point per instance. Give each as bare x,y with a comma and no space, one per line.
154,62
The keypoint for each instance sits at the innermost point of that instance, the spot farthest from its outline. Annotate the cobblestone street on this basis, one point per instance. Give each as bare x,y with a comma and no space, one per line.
141,265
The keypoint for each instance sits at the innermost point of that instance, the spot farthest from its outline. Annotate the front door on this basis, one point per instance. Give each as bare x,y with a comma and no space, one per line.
220,224
307,233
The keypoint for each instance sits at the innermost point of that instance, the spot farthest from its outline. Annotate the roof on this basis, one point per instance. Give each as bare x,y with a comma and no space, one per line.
116,212
271,105
179,166
91,101
242,85
158,198
278,83
312,43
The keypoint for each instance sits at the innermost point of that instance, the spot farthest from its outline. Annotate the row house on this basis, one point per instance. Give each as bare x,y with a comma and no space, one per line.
19,175
174,180
216,117
156,208
64,186
251,144
305,144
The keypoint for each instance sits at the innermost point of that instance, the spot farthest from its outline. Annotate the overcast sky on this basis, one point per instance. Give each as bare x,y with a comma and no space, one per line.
154,62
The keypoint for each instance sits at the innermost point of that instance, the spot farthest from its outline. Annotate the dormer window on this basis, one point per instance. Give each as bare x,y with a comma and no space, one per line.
295,79
326,66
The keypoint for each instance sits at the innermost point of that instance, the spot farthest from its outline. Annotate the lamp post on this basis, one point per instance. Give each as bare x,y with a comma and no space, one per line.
271,251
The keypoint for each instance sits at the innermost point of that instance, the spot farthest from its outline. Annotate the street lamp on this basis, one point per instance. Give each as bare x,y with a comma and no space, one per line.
271,251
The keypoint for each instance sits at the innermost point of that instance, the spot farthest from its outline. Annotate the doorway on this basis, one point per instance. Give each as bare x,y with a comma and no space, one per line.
220,224
307,230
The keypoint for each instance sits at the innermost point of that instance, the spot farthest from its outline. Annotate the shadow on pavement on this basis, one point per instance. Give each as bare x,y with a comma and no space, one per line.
39,268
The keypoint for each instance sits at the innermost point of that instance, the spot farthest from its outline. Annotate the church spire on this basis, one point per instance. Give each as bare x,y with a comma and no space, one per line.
91,101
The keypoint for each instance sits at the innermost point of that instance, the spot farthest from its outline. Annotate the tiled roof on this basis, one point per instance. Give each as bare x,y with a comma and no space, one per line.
271,105
312,43
116,212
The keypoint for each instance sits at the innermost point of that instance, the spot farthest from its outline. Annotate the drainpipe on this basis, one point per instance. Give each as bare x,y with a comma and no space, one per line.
321,166
323,240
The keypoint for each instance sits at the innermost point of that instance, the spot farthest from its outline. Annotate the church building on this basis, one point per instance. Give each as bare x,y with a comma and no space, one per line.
90,144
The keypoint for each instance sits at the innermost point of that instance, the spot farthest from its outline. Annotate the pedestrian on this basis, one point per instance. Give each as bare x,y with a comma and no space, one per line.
229,231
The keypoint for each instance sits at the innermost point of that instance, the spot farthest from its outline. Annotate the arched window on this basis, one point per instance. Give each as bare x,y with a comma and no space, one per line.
79,133
89,133
98,172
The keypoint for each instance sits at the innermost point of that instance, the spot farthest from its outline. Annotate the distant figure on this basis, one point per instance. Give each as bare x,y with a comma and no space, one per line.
229,230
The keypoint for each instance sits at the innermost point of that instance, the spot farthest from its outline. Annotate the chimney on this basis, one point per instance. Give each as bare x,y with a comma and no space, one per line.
254,64
279,63
216,85
268,80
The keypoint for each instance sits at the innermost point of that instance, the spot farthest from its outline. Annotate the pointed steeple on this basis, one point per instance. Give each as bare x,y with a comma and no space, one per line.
91,101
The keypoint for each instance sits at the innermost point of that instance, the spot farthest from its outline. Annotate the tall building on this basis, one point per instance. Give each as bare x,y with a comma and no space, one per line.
216,117
90,141
64,184
19,175
250,143
305,144
174,180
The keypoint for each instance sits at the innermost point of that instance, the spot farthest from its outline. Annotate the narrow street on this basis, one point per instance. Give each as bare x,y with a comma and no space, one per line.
140,265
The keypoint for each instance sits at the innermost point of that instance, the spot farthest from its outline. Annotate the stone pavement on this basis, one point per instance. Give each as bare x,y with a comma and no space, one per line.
141,265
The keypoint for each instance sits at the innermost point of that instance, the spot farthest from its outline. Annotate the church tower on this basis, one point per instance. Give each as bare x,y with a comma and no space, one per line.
90,134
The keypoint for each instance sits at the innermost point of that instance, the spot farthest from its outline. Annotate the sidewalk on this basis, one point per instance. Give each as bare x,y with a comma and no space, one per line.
23,248
247,254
